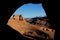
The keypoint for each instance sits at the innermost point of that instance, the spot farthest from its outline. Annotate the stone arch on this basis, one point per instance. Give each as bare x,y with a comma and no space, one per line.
11,5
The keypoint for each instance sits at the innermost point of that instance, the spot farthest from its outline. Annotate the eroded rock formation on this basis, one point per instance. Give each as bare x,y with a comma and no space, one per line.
28,30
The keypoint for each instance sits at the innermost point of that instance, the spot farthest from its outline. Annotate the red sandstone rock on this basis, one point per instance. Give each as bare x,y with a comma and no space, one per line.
19,24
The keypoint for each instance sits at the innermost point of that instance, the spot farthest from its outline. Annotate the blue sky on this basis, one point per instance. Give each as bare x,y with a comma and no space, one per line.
30,10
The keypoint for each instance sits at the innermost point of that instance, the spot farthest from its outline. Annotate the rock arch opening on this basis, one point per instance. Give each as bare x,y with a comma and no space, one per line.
24,26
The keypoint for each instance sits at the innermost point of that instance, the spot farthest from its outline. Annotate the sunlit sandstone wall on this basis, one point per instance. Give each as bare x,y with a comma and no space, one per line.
19,24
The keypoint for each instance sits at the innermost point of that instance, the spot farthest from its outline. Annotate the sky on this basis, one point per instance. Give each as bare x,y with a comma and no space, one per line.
31,10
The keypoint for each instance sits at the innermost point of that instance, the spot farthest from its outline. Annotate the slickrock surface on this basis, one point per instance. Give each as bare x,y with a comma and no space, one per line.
28,30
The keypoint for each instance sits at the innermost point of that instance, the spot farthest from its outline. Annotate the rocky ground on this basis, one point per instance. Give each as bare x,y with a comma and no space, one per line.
33,29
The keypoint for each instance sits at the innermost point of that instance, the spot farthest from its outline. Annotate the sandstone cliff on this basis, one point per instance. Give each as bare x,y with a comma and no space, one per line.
29,30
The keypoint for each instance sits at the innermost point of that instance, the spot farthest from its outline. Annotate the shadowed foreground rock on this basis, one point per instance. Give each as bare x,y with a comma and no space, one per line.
31,31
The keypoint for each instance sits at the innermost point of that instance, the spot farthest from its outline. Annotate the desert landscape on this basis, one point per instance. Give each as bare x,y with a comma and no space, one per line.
32,28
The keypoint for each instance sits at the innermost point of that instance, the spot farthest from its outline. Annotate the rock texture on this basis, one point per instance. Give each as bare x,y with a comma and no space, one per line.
41,21
29,30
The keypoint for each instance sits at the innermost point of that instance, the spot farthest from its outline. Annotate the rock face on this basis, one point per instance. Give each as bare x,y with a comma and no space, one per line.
41,21
29,30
